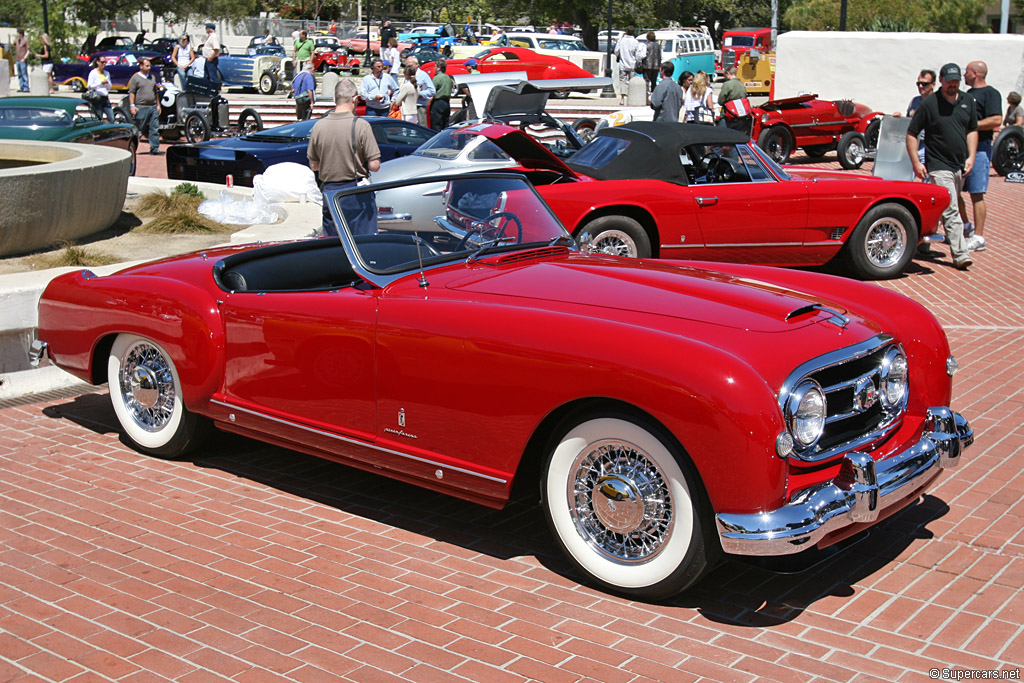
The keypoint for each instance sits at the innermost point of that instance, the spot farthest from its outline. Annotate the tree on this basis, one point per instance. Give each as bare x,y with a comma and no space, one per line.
942,16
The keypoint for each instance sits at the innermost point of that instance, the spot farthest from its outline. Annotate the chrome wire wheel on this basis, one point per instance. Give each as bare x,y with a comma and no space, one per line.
614,243
625,505
854,153
145,391
621,502
886,242
147,386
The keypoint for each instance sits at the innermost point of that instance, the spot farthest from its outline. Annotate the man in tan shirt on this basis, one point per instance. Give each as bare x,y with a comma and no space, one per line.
343,150
211,53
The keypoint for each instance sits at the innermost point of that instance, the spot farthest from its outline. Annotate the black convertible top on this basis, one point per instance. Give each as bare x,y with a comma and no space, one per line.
654,149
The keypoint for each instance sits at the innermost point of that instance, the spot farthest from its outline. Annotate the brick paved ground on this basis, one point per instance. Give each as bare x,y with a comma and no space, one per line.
253,563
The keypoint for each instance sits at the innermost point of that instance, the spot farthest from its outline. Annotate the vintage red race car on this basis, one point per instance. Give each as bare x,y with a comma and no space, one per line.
508,59
664,412
674,190
817,127
337,61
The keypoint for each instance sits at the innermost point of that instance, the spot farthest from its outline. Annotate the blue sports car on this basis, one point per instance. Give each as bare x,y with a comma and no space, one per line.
247,156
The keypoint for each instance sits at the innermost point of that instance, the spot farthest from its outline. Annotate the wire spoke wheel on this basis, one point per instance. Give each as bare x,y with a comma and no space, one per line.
614,243
147,386
886,242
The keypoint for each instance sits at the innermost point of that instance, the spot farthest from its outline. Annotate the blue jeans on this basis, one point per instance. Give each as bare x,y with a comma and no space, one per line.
22,69
359,210
147,117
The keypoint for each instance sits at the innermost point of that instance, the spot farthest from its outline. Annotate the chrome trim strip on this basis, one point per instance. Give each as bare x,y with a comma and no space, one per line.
829,243
357,442
683,246
858,494
757,244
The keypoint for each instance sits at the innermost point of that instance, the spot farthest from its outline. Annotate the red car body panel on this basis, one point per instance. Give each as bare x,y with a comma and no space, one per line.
505,59
804,220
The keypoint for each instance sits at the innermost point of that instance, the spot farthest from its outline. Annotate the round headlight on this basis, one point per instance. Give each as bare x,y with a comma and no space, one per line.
764,118
894,377
806,408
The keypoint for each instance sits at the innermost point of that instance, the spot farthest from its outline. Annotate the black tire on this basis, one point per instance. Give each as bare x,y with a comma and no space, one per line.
871,134
1008,150
197,129
852,149
249,121
777,142
121,115
883,243
561,94
146,394
133,149
268,83
617,236
585,128
78,85
626,506
817,152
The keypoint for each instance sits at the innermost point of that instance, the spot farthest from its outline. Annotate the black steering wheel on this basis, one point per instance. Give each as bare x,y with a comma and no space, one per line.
484,228
719,170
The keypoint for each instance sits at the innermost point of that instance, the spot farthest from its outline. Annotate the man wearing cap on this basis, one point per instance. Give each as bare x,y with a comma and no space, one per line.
211,51
950,124
377,89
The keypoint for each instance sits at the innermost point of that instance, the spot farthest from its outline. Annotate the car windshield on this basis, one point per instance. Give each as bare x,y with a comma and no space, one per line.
448,145
34,116
739,41
296,131
553,44
392,228
600,152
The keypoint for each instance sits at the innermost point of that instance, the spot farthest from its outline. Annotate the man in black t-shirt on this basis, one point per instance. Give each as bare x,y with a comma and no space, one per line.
950,124
990,114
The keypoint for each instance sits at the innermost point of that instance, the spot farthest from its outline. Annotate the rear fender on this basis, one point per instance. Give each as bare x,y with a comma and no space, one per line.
79,314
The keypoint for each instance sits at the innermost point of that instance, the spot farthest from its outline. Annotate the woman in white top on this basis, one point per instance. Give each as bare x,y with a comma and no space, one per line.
407,95
391,53
182,56
99,83
698,102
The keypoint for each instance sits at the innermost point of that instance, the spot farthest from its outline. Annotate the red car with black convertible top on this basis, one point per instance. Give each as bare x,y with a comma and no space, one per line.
665,414
684,191
817,127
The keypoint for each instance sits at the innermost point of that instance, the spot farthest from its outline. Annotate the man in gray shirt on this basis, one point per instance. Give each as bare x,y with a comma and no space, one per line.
667,98
142,99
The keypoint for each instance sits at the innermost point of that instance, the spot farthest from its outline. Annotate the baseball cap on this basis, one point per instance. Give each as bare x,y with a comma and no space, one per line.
212,26
950,72
386,62
471,62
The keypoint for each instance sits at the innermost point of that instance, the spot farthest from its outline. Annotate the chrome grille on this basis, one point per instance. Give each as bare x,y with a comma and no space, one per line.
837,233
848,377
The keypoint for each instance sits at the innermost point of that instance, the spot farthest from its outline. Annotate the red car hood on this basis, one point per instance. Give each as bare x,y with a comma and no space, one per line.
526,151
655,287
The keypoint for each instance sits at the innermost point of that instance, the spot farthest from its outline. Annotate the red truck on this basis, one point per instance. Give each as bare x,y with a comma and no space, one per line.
736,41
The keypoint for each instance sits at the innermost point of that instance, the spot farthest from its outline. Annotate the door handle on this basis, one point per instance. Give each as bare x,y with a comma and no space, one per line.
707,201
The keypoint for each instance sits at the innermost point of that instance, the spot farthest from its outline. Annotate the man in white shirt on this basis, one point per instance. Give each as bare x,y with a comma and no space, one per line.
626,51
211,51
426,89
378,89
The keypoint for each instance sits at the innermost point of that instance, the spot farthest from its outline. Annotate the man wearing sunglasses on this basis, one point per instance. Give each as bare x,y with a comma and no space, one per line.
925,87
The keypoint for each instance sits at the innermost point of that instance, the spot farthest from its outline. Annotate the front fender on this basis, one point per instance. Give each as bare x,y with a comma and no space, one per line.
79,313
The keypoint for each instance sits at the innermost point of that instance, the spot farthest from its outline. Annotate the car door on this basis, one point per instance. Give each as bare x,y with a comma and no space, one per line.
398,138
305,358
502,61
750,217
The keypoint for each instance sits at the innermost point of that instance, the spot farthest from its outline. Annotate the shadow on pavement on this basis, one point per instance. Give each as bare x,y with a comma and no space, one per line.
739,591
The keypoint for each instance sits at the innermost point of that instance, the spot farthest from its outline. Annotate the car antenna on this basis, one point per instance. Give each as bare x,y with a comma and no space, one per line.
419,256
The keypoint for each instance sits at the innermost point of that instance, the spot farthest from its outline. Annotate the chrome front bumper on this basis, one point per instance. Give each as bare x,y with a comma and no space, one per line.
39,354
861,490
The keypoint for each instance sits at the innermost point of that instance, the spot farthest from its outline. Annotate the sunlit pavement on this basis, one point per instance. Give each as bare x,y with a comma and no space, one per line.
254,563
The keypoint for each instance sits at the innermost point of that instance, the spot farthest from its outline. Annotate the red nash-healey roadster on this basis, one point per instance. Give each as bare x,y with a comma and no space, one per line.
666,413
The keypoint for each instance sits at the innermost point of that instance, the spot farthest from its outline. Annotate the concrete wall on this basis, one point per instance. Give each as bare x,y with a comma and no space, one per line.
880,69
77,191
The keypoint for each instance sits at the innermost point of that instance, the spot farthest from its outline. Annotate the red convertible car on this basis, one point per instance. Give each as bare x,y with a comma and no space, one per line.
664,412
817,127
506,59
674,190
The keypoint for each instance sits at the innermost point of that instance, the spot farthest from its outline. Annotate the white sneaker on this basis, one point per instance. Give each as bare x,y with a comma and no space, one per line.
976,243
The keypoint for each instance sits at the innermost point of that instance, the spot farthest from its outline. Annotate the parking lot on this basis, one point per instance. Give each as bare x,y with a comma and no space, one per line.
253,563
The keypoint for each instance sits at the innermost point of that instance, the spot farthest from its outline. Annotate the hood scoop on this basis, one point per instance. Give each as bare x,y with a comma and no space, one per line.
834,316
528,255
